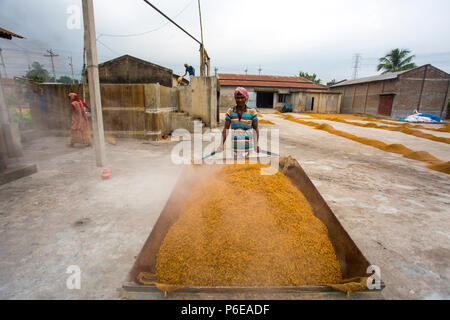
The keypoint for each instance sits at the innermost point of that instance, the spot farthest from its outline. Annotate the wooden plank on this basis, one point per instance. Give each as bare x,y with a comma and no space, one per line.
123,107
151,292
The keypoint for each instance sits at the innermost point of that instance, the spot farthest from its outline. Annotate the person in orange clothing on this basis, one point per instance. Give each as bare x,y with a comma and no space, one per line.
79,129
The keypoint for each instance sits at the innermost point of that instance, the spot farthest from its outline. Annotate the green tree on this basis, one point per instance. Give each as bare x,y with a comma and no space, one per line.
313,77
66,79
396,60
38,73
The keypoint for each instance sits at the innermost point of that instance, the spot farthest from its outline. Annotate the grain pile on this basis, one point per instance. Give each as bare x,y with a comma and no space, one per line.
442,166
241,228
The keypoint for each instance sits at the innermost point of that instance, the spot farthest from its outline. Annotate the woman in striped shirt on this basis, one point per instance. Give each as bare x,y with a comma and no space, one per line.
243,122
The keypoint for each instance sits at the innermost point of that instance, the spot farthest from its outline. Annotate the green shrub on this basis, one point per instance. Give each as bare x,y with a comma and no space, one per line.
25,122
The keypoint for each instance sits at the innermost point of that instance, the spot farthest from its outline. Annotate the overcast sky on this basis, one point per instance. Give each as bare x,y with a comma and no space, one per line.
282,37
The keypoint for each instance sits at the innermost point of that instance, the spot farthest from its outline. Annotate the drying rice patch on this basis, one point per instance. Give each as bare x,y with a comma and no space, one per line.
339,116
434,163
442,167
445,127
265,122
436,133
404,128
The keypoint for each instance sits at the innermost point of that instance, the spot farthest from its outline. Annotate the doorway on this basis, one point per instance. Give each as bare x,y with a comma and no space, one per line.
309,103
264,99
385,104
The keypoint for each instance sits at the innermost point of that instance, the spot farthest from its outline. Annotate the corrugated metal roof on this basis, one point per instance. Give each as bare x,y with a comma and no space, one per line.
270,84
8,34
230,76
227,79
386,76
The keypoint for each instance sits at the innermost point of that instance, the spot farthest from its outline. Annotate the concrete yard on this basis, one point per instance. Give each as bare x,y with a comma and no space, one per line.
395,209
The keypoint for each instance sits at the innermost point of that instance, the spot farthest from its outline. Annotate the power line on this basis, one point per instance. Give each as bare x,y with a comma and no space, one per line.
33,50
51,55
108,47
145,32
172,21
26,51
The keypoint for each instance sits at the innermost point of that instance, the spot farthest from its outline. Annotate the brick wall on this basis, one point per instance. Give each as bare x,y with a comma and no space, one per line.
373,97
360,98
129,70
411,86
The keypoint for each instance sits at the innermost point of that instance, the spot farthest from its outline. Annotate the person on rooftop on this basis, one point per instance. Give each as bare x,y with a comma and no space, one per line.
190,70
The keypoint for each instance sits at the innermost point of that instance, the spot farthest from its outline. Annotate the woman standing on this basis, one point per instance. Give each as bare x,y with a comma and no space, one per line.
80,132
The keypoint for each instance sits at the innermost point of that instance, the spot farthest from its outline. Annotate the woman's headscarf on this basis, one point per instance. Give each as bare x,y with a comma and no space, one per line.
242,91
74,97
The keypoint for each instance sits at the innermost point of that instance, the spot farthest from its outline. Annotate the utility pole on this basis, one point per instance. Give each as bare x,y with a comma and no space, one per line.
215,71
71,67
51,55
3,63
83,71
246,69
356,66
28,60
202,47
94,82
259,70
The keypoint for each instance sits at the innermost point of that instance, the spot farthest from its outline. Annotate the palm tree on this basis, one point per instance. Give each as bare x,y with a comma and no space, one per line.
396,60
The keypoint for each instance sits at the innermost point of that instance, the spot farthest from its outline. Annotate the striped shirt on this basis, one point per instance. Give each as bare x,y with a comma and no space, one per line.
241,132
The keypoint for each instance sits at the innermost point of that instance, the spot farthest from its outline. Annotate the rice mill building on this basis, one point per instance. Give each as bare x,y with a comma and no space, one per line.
277,91
397,94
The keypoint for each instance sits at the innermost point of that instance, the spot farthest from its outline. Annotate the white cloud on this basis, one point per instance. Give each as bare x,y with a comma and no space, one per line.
282,36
